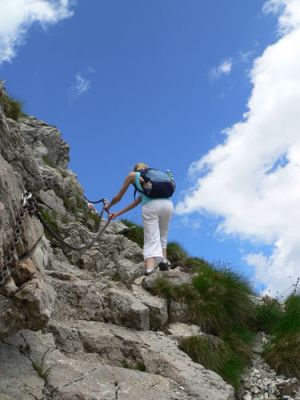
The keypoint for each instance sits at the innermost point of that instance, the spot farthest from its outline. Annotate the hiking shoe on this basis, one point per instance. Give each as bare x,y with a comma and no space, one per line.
164,265
147,273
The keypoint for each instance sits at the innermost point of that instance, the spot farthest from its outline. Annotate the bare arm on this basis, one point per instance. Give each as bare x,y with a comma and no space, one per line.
128,180
132,205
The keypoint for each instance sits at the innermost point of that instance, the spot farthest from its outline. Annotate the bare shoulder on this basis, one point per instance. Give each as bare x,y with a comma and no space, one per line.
131,177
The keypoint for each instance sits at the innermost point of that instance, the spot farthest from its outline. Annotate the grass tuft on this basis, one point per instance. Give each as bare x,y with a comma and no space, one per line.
268,316
137,366
283,351
219,302
215,355
176,253
135,232
12,108
224,300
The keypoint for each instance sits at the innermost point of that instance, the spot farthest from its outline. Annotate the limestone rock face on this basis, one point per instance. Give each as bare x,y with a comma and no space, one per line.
26,302
261,381
45,142
82,325
153,352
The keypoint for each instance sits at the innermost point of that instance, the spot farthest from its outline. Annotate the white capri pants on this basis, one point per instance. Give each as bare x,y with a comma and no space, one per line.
156,217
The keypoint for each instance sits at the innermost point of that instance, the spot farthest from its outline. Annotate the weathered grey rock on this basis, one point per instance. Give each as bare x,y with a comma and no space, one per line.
116,227
108,383
173,277
33,367
90,358
24,271
179,312
19,380
14,150
76,298
32,304
128,271
155,351
122,308
45,141
260,381
52,201
157,307
30,307
41,255
180,331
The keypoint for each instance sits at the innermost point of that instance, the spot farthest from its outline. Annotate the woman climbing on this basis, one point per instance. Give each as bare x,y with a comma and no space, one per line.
157,209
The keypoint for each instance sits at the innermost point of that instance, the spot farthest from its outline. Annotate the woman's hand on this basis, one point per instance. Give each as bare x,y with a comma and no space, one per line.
113,216
129,207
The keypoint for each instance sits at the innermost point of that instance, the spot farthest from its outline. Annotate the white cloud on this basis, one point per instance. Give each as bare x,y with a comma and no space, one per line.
224,68
81,86
252,180
17,16
245,56
289,13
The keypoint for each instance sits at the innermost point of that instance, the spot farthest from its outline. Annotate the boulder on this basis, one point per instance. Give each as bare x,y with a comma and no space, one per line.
31,366
156,305
154,351
181,331
122,308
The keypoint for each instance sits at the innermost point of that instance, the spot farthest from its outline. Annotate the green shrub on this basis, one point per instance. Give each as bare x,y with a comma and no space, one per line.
240,340
195,263
284,349
163,288
50,218
218,300
283,354
215,355
139,366
268,316
48,162
12,108
135,232
224,300
176,253
290,322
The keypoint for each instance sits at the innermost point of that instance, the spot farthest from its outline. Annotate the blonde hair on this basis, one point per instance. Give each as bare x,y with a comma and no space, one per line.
139,166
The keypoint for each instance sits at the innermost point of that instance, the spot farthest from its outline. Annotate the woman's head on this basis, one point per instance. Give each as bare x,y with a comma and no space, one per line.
139,166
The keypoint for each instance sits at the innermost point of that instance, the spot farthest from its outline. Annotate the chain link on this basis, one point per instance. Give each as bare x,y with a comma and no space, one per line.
62,241
28,205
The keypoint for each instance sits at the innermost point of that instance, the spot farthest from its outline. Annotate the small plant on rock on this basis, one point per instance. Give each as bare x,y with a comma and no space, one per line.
268,315
283,351
216,355
224,300
135,232
12,108
176,253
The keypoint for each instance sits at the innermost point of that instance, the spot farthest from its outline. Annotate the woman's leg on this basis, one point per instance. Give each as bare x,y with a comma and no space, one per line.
164,220
152,242
150,263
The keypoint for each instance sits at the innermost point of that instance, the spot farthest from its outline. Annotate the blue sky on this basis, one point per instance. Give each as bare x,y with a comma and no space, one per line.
154,81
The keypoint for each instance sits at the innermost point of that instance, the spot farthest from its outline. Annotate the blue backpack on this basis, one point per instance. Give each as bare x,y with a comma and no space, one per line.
157,184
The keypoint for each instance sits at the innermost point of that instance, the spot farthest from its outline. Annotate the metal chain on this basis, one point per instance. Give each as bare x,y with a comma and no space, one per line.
62,241
28,205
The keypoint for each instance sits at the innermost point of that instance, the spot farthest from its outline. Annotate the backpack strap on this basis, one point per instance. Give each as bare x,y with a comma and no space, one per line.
144,175
136,189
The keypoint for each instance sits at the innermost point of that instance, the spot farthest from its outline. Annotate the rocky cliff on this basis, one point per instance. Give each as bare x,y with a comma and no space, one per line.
81,325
